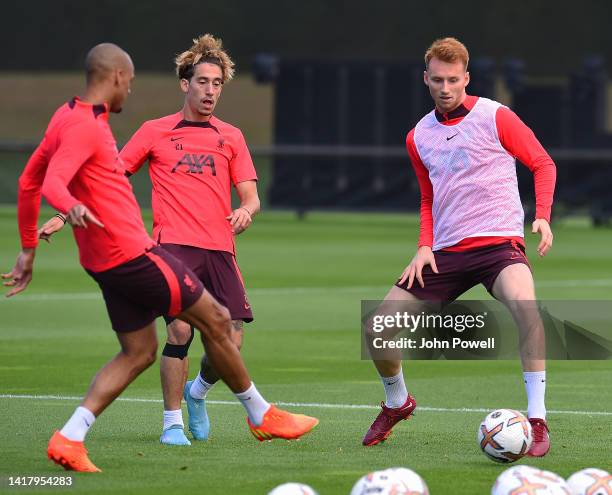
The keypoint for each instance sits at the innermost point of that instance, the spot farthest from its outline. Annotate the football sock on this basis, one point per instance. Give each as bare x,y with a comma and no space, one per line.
535,385
78,425
395,390
173,418
254,403
199,387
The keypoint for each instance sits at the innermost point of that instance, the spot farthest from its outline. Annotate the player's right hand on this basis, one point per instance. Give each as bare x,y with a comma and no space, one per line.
79,216
50,227
21,274
546,236
423,257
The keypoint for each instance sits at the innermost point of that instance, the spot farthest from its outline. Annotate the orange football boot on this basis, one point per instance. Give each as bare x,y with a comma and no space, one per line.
282,424
70,454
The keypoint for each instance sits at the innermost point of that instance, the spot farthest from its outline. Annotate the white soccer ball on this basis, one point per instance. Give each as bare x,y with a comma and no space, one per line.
529,480
510,479
505,435
556,484
409,481
591,481
293,489
392,481
376,482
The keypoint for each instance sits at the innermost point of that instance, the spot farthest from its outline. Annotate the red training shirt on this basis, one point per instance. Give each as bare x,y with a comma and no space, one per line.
519,141
77,163
192,166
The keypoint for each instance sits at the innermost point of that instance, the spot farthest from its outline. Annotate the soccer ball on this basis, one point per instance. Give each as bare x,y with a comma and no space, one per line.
505,435
515,478
529,480
591,481
410,482
555,484
393,481
293,489
379,482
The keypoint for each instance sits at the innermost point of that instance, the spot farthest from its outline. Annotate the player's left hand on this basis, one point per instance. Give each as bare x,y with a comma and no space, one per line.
50,227
21,274
240,220
546,236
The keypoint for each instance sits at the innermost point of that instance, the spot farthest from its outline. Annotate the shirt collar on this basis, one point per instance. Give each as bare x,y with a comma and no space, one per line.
100,109
189,123
459,112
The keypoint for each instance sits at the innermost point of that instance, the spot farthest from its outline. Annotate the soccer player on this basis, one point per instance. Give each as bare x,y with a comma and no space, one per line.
79,172
471,232
194,158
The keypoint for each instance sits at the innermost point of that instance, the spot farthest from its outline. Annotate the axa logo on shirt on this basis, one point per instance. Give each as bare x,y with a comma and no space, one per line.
194,163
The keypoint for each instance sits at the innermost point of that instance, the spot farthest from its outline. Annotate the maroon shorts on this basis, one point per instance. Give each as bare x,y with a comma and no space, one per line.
460,271
220,274
139,291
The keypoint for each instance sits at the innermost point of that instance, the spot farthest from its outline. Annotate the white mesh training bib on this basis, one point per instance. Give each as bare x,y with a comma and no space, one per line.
475,190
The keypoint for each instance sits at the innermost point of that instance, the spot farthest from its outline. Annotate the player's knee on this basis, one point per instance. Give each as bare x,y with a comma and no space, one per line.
179,332
221,316
178,351
150,357
219,324
520,295
144,358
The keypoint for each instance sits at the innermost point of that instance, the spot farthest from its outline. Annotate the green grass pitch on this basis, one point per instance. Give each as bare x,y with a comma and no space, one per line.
305,280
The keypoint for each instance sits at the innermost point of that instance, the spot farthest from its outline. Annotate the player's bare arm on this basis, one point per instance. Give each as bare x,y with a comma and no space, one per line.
51,226
423,257
542,227
242,217
21,274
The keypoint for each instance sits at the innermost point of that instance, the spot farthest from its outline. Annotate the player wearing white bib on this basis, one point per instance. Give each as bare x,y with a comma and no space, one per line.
463,153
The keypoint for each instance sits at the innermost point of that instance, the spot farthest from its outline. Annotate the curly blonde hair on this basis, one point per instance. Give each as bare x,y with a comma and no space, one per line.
208,49
449,50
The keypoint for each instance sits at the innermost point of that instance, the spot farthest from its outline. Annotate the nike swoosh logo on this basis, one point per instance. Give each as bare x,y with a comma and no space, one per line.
449,138
391,383
176,138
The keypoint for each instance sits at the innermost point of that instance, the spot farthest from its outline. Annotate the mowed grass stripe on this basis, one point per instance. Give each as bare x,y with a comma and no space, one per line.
319,405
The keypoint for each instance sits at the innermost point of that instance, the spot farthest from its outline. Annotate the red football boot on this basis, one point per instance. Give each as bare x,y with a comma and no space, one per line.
386,420
541,442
